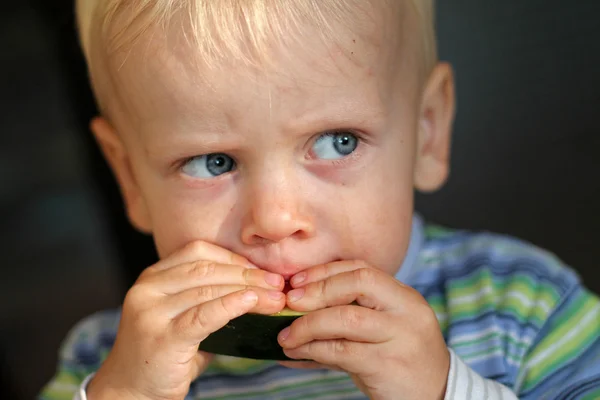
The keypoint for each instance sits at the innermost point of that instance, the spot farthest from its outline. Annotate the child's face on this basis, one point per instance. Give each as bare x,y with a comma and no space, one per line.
311,160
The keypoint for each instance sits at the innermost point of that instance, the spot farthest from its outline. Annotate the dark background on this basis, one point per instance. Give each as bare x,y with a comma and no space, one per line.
526,161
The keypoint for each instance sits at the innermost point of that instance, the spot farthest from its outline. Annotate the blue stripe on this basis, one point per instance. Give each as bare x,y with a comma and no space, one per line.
467,325
581,388
507,269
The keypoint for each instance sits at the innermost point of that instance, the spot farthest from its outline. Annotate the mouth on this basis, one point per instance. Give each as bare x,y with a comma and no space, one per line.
293,263
287,287
287,269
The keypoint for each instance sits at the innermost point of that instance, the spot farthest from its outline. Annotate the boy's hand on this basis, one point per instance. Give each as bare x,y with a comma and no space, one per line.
390,344
172,307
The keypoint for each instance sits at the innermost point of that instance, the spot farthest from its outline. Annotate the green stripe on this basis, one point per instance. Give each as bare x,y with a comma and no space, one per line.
466,343
522,283
63,377
471,284
572,318
281,388
522,286
437,232
594,395
504,337
484,352
436,300
480,281
241,366
480,309
438,305
516,358
471,313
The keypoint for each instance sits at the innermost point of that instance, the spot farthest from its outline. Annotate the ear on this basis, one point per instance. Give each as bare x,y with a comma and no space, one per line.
435,130
118,158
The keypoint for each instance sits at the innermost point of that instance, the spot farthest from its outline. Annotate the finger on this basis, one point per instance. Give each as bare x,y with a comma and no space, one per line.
324,271
201,363
368,287
352,357
269,301
355,323
194,325
308,365
201,250
204,273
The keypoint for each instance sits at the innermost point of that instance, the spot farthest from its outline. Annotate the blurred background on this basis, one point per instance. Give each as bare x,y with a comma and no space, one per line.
526,161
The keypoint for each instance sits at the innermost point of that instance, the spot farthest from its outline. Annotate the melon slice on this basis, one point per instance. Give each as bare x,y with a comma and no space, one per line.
252,335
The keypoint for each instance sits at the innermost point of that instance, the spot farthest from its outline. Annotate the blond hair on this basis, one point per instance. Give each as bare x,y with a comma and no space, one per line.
244,28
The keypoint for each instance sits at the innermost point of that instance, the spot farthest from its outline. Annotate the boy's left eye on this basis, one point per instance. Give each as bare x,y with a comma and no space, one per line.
335,145
209,166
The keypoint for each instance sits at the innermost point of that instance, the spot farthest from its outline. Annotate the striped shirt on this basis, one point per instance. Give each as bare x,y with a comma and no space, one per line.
517,321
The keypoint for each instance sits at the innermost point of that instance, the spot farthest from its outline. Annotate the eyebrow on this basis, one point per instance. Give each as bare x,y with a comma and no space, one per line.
354,114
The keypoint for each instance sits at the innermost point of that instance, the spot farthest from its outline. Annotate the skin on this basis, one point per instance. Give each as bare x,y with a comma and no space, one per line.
338,228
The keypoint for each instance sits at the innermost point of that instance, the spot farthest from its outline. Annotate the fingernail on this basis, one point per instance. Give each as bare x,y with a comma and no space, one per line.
295,295
299,278
250,297
283,335
273,279
275,295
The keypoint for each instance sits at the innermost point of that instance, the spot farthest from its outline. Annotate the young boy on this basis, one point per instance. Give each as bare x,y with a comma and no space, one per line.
264,141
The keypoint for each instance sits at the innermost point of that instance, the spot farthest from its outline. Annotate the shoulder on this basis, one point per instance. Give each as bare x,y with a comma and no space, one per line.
494,295
464,259
82,352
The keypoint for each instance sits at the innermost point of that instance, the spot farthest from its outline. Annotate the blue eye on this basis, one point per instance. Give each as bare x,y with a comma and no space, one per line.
209,166
335,145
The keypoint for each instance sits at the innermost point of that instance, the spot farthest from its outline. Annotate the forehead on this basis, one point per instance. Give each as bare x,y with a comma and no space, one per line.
164,74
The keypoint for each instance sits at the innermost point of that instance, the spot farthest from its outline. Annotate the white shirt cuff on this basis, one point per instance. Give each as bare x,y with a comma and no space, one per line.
466,384
82,392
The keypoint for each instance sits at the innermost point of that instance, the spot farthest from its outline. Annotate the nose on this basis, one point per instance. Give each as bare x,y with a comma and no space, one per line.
277,211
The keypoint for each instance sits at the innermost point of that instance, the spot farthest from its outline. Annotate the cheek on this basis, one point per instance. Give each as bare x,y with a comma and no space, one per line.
180,219
381,207
382,231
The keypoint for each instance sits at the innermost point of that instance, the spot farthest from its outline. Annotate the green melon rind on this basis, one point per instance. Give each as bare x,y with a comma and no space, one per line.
288,312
